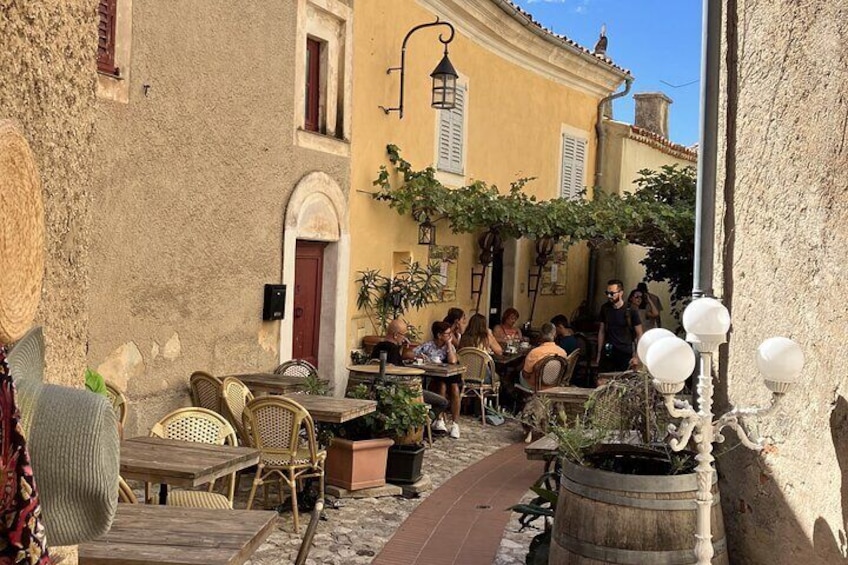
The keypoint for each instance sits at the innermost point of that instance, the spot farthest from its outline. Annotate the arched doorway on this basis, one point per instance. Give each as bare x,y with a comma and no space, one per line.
316,229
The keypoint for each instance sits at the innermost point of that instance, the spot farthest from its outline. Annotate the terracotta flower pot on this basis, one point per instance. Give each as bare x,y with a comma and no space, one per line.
355,465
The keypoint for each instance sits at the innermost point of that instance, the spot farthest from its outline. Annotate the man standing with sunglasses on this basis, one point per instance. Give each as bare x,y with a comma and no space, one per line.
620,329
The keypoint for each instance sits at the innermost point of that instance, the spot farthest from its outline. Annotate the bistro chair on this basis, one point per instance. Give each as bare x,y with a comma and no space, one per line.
205,391
118,402
479,368
275,424
296,368
201,426
125,493
234,396
549,372
571,362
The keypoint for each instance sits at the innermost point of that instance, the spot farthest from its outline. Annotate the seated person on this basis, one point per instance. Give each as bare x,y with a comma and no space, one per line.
442,350
564,334
507,331
394,346
478,335
457,320
546,348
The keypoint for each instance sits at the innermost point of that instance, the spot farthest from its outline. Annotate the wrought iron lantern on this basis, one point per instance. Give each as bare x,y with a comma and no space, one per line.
426,233
444,75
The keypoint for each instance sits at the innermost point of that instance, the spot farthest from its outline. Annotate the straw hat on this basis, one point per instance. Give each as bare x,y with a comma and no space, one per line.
21,234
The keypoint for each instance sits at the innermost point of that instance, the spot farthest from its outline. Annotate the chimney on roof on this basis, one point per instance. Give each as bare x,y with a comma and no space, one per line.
652,112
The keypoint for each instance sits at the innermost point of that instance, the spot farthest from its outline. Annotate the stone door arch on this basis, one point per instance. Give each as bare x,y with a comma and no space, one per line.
317,211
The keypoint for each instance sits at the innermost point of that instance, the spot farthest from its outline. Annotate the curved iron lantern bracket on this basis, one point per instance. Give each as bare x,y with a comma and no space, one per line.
402,67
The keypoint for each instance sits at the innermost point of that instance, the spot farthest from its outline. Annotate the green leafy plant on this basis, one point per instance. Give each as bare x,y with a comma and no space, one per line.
314,385
660,215
399,412
386,298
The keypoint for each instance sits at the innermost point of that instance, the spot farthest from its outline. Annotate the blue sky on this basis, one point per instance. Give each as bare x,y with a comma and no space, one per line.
657,40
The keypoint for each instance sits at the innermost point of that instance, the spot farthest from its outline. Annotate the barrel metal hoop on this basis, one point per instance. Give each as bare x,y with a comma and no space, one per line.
616,499
633,483
631,556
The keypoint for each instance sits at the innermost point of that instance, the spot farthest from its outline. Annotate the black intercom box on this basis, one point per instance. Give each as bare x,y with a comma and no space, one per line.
274,306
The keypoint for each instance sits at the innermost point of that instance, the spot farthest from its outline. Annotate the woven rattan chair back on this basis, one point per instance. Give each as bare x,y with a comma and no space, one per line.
274,424
118,401
571,365
195,424
550,370
235,395
296,368
205,391
478,365
200,426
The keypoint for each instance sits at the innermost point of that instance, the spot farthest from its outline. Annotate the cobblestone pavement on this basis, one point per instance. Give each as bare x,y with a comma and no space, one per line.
357,529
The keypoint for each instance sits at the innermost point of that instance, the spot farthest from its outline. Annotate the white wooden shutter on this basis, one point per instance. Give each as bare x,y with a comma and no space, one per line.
452,135
573,166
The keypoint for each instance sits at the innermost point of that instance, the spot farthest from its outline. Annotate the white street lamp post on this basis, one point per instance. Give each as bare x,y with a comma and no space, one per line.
670,360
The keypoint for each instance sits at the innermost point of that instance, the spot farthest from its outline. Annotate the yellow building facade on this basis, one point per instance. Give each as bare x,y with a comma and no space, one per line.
628,149
525,93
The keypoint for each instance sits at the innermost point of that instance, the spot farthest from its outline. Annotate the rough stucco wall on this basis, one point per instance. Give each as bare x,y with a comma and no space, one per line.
784,224
47,73
190,197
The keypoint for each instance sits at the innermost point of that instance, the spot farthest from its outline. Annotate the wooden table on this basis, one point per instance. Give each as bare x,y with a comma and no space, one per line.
181,463
270,383
441,370
395,370
571,398
543,449
170,535
334,410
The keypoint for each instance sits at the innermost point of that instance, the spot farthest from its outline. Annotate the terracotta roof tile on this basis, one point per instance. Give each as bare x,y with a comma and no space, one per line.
558,38
656,140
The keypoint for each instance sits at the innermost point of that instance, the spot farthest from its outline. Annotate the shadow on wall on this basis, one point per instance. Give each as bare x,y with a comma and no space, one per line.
757,515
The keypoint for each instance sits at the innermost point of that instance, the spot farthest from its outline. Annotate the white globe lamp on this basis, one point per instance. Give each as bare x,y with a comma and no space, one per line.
649,338
780,361
706,321
670,361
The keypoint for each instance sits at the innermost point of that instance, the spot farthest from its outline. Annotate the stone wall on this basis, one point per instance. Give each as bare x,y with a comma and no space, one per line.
47,80
783,224
194,175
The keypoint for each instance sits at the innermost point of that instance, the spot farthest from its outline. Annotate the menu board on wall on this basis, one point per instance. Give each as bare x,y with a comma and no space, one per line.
555,273
447,257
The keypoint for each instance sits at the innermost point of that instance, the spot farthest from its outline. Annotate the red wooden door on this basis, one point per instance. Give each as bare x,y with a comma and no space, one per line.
308,269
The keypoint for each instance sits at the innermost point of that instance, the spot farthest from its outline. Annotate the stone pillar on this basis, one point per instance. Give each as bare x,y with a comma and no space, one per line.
652,112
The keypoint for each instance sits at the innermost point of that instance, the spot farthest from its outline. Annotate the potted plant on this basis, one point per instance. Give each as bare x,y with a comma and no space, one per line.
357,451
615,457
404,415
386,298
386,444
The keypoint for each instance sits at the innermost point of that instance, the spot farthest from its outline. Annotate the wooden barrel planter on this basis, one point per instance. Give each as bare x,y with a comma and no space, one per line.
604,517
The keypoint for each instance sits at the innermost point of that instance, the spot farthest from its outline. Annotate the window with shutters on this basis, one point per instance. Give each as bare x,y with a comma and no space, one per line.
573,166
323,67
107,10
451,132
312,119
114,40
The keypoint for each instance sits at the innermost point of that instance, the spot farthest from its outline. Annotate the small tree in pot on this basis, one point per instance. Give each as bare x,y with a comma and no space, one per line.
386,298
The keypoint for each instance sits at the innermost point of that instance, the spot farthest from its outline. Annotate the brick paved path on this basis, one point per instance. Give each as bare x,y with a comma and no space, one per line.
463,521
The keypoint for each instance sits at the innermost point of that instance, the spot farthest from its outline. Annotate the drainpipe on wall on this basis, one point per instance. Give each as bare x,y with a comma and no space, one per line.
702,285
599,159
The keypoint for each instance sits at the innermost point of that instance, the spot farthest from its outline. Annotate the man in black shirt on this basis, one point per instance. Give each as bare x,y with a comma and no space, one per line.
620,329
